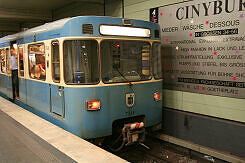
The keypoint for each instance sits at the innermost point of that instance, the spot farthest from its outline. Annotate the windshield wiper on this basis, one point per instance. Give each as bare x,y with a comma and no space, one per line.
129,82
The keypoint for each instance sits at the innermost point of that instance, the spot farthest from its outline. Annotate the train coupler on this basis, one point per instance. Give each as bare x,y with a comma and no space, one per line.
133,133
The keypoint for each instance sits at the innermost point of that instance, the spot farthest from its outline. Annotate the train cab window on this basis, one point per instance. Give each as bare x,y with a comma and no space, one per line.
81,62
36,57
3,60
21,61
8,64
55,61
157,60
125,60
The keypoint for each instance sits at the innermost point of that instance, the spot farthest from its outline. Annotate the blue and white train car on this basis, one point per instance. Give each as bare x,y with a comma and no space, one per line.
88,74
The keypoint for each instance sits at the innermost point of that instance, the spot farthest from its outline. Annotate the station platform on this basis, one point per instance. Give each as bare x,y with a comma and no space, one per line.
25,137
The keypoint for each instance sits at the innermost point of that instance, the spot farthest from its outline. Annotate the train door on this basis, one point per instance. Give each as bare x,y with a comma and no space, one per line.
56,91
14,70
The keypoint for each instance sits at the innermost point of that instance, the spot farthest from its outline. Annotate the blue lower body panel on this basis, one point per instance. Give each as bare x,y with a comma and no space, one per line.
6,85
22,90
38,95
41,98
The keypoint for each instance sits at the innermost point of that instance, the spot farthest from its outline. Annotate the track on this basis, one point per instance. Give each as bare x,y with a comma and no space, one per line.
159,152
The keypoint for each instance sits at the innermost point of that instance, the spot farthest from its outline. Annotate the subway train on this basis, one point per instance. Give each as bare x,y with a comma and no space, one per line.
91,75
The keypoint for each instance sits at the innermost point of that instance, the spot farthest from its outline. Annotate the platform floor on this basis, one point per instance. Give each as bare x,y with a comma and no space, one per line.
18,144
25,137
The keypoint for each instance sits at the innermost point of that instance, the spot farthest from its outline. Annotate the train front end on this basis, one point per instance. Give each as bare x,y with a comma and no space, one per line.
133,93
114,83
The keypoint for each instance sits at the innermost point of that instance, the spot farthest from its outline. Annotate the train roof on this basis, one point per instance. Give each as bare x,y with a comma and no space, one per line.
69,27
36,30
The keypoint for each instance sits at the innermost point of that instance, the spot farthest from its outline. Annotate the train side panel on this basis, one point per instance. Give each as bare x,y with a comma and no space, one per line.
38,95
6,86
23,90
3,88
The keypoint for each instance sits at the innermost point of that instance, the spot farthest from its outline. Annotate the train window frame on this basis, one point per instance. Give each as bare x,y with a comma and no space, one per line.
155,74
8,61
123,39
3,72
0,62
52,63
29,69
21,71
98,60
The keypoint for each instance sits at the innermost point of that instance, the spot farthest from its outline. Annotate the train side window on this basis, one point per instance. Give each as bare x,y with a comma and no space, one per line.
3,61
21,61
55,61
8,64
36,57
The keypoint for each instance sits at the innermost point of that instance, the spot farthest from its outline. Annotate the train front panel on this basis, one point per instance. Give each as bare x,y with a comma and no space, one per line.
113,107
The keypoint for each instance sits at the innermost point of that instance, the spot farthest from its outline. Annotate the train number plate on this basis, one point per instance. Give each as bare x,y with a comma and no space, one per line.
135,137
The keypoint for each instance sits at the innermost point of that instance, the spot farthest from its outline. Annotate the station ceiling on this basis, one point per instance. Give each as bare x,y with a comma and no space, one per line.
17,15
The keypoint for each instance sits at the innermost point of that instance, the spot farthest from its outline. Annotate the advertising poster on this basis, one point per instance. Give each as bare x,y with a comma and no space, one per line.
203,46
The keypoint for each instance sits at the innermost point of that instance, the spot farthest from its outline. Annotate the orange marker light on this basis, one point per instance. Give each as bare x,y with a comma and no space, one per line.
93,105
156,96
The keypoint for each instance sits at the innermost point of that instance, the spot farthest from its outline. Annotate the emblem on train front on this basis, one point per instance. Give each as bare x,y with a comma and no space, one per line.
130,97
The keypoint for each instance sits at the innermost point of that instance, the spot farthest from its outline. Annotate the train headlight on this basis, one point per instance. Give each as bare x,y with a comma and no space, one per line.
156,96
93,105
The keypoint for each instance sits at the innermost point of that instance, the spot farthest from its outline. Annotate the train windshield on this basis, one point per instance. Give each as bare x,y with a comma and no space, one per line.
81,62
125,60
